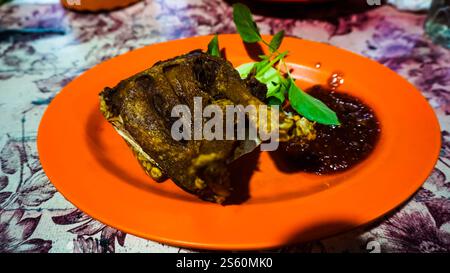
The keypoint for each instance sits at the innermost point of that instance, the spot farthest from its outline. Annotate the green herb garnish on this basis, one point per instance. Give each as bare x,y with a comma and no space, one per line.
267,71
310,107
213,47
276,41
245,25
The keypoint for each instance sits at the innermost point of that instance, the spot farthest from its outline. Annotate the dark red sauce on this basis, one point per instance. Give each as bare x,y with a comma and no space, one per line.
336,148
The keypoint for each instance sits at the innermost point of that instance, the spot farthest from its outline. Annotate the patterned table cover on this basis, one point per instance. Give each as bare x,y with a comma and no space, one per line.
43,47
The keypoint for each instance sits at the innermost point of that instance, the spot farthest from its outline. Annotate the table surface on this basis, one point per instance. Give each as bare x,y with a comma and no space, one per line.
43,47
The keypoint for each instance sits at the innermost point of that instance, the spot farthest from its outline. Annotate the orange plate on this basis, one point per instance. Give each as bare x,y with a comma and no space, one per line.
92,167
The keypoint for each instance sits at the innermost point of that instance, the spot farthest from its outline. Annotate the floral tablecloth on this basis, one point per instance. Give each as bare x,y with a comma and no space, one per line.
43,47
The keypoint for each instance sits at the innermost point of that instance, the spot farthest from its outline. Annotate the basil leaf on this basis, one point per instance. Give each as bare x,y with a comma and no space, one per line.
274,101
310,107
245,69
262,66
271,78
275,89
277,95
213,47
245,25
276,41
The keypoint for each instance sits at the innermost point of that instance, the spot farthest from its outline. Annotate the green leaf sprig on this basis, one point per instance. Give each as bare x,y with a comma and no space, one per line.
267,71
310,107
276,41
245,25
213,47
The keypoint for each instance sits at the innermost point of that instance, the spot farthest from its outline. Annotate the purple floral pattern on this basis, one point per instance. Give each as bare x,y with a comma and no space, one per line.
88,227
34,66
33,188
15,233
